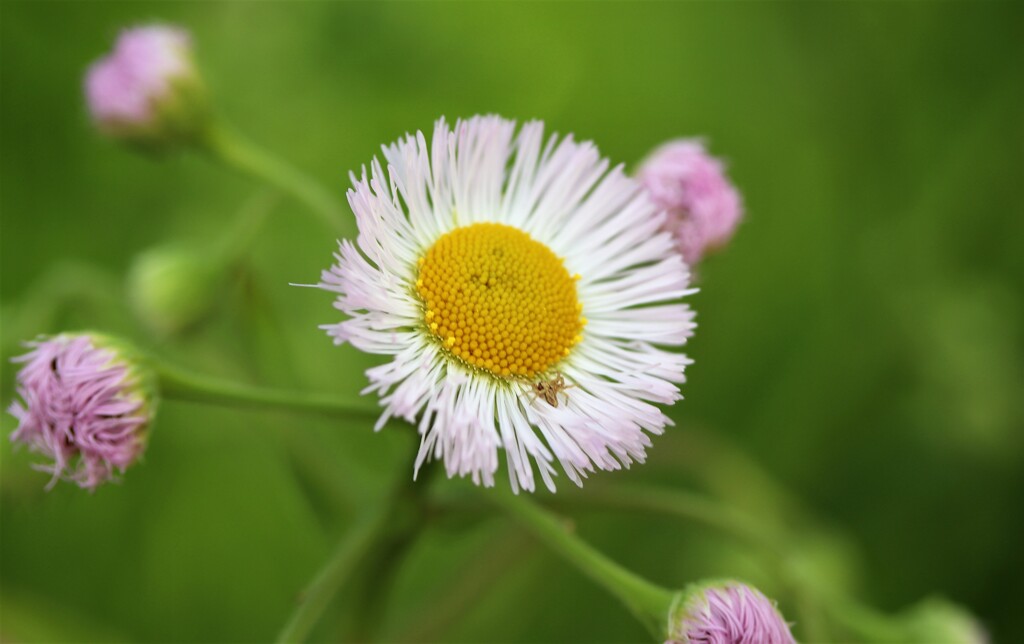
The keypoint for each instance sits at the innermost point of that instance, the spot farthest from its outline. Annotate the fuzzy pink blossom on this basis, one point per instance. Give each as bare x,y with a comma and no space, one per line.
84,405
729,613
702,205
147,89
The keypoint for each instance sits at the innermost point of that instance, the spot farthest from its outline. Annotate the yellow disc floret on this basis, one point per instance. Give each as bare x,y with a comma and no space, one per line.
499,300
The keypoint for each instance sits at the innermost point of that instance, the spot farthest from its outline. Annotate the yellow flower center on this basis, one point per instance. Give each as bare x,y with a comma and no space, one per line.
499,301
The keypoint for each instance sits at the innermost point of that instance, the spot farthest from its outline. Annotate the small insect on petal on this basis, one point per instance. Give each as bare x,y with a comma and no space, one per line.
548,390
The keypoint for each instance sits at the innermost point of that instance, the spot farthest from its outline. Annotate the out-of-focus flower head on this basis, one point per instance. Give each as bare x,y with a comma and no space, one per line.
86,404
703,207
172,288
729,612
937,620
148,91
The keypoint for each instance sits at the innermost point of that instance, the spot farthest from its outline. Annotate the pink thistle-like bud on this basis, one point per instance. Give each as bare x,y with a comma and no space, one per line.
703,207
86,403
727,613
148,91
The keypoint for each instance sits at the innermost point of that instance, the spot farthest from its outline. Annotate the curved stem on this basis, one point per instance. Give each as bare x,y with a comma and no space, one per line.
249,221
686,505
649,602
182,385
409,515
63,285
656,500
863,621
730,473
458,595
326,477
238,152
397,515
315,599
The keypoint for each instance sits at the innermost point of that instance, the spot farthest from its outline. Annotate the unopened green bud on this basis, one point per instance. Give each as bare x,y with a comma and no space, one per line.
172,288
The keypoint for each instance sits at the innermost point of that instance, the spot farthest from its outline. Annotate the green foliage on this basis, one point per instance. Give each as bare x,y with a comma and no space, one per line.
861,337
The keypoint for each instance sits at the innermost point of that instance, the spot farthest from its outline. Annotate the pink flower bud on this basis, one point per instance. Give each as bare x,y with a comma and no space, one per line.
86,404
728,613
702,205
147,90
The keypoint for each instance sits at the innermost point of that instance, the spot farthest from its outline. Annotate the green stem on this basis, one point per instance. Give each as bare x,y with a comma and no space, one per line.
317,596
649,602
685,505
326,476
451,602
731,474
182,385
66,286
864,622
398,514
409,515
248,223
234,150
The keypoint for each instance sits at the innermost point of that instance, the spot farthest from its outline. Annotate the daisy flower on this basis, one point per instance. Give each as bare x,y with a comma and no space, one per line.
525,294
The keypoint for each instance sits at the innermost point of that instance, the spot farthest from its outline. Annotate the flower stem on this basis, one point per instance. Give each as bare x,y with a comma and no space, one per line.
249,221
649,602
178,384
394,519
685,505
347,555
409,516
865,622
236,151
714,514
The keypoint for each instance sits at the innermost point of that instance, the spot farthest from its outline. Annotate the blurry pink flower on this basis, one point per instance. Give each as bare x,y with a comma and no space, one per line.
84,405
147,90
703,206
729,613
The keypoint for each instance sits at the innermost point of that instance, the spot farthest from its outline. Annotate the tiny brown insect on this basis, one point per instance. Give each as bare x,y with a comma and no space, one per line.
548,390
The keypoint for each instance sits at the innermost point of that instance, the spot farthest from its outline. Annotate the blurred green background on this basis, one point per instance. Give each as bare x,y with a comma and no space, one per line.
862,338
